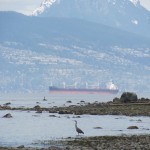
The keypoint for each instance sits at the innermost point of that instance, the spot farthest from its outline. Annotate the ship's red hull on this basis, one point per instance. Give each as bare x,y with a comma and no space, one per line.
81,91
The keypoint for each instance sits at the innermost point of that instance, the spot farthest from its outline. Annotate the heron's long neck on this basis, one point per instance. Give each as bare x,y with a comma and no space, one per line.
76,125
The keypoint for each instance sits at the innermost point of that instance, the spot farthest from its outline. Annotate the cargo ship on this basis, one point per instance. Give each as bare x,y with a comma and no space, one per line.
110,89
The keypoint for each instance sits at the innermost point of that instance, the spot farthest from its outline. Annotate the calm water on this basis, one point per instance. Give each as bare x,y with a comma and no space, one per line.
28,128
30,100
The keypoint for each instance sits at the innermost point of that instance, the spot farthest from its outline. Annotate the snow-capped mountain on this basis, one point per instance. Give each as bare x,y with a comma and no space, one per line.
37,51
128,15
47,3
135,2
44,5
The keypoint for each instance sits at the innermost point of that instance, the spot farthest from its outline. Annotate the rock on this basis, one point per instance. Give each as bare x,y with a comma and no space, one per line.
52,116
69,101
35,115
76,117
116,100
7,116
93,113
7,103
71,106
37,107
139,120
144,100
21,146
132,127
128,97
5,107
64,112
61,112
97,128
39,111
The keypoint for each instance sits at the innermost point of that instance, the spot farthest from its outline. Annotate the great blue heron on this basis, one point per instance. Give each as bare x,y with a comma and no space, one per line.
78,129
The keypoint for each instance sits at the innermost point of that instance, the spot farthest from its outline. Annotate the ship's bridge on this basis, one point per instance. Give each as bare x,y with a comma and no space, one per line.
111,86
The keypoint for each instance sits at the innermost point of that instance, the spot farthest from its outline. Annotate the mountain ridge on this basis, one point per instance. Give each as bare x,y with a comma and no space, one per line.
36,51
73,25
48,3
127,15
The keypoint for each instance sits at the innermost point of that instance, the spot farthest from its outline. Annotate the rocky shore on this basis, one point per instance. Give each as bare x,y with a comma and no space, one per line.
112,143
128,104
109,108
118,106
124,142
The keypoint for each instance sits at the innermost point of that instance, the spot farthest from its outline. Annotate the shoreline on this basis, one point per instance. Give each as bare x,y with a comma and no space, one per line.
96,142
109,108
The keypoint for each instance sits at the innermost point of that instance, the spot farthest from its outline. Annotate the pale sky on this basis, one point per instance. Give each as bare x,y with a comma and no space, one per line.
27,6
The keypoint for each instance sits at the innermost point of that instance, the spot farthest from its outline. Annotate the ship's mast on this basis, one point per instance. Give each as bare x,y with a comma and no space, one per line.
75,84
72,85
86,85
97,85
